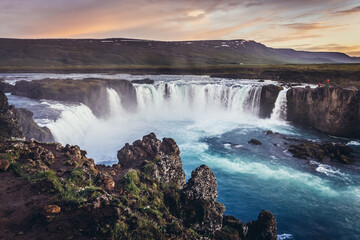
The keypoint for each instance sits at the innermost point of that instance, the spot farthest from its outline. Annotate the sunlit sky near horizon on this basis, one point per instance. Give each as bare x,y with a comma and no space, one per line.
314,25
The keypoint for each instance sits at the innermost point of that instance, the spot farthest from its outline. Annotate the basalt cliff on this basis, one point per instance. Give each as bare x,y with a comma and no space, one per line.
50,191
332,110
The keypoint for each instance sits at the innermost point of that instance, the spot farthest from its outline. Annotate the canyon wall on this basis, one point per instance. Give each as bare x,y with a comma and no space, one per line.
332,110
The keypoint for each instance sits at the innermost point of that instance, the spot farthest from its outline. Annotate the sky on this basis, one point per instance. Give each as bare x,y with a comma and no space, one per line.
313,25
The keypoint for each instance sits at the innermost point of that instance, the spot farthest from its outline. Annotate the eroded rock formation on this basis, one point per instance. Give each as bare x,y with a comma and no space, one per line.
164,154
332,110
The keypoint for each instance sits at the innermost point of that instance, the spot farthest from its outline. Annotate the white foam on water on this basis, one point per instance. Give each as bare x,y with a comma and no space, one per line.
353,143
285,236
270,172
227,145
329,170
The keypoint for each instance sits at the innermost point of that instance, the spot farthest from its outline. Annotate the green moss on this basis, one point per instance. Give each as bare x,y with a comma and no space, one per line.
194,233
131,179
120,230
132,175
146,230
16,168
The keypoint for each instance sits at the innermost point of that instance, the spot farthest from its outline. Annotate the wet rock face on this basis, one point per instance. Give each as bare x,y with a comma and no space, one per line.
202,185
324,152
165,154
203,213
143,81
332,110
264,228
269,94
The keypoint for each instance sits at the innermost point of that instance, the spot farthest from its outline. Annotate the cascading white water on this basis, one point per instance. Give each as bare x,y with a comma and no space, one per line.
199,98
280,110
72,124
115,106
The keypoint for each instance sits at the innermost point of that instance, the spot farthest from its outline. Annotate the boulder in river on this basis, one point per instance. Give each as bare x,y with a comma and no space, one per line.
255,142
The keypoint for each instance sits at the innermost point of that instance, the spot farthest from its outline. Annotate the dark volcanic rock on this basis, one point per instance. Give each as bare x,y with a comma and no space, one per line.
18,123
30,129
4,105
332,110
233,229
324,152
5,87
202,184
264,228
254,142
201,190
91,92
143,81
9,126
269,94
165,155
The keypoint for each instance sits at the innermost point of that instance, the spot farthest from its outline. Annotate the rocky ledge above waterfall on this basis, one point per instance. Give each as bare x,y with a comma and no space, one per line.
52,191
332,110
91,92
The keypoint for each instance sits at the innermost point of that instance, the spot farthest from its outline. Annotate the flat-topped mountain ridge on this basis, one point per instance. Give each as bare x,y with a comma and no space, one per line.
48,53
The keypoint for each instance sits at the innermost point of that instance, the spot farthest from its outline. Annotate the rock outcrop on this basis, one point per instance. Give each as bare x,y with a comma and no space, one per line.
30,129
255,142
91,92
5,87
264,228
18,123
202,185
269,94
323,152
9,126
332,110
164,154
201,194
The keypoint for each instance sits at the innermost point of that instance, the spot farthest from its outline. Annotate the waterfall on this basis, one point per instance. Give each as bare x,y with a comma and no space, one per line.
280,110
114,103
72,124
199,98
164,100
